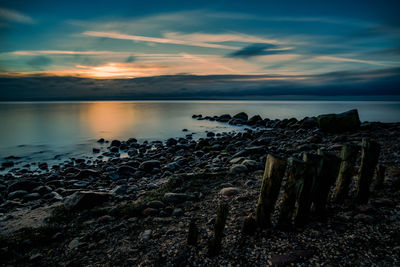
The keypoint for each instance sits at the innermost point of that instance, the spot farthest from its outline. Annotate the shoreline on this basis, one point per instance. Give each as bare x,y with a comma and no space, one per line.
130,213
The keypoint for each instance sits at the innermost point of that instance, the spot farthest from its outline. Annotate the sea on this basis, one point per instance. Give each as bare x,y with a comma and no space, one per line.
56,131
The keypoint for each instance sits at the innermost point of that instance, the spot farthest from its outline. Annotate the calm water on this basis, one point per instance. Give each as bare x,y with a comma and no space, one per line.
49,130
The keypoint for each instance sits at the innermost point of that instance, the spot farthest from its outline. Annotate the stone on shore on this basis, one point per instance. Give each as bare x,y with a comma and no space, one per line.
85,200
336,123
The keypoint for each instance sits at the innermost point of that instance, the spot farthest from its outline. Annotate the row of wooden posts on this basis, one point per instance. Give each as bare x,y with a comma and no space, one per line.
309,183
307,188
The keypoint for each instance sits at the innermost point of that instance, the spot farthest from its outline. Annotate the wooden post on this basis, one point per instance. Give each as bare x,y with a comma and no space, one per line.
294,184
380,176
271,184
327,176
193,233
249,225
214,245
369,159
346,171
305,197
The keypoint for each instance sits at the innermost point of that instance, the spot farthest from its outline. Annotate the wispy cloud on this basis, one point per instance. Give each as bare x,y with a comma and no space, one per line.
65,52
15,16
115,35
259,50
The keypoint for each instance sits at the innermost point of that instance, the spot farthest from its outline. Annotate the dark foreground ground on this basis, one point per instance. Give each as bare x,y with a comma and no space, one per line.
125,217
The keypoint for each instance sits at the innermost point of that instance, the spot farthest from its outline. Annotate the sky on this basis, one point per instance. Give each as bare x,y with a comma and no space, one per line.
198,49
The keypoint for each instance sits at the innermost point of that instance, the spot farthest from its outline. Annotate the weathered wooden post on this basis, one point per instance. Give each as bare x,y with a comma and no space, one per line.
294,184
274,171
380,176
304,199
327,177
193,233
348,156
214,245
369,159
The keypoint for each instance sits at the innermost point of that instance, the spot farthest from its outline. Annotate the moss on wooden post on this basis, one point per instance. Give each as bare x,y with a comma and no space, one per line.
305,196
271,184
369,159
346,171
327,178
296,177
214,245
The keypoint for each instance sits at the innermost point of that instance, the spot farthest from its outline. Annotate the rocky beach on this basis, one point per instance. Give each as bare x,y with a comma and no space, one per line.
157,205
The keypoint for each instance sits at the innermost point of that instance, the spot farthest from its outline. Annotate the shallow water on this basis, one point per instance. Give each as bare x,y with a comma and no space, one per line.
55,130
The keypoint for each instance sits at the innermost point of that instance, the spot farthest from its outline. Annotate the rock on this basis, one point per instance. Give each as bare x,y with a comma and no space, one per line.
32,196
171,142
251,164
255,120
125,169
85,173
114,149
23,185
53,196
7,164
343,122
146,235
150,212
17,194
85,200
42,190
74,243
96,150
43,166
101,140
229,191
241,116
149,165
237,160
177,212
177,197
224,118
119,190
308,123
210,134
314,139
115,143
238,168
156,204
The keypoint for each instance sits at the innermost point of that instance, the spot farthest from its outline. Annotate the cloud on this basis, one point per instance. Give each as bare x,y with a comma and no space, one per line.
15,16
39,62
130,59
65,52
382,82
258,50
120,36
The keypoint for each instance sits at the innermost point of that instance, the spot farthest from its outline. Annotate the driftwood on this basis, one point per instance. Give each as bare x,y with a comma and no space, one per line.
304,199
294,184
214,245
369,159
380,176
326,179
271,184
346,171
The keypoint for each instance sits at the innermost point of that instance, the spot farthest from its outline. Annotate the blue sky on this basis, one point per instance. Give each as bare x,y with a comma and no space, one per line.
130,39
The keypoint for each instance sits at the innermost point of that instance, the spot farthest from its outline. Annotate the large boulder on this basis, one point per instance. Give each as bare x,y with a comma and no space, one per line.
149,165
241,116
343,122
85,200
